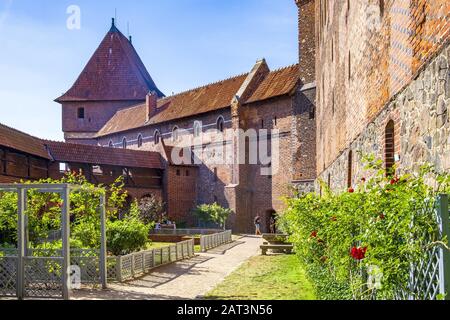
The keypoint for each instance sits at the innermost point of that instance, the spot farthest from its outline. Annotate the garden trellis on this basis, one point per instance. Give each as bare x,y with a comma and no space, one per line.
29,273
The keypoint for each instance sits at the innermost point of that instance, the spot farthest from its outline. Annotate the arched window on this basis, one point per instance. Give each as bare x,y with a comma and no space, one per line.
220,124
350,169
157,137
389,147
197,128
124,143
175,136
139,141
111,144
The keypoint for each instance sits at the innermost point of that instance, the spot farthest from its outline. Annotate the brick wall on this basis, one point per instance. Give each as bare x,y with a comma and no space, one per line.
367,53
181,193
420,113
96,115
307,44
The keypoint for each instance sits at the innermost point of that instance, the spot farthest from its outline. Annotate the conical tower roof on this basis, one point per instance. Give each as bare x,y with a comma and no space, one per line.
114,73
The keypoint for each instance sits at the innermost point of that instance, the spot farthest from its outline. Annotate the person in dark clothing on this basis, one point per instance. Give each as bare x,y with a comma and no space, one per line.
273,225
258,225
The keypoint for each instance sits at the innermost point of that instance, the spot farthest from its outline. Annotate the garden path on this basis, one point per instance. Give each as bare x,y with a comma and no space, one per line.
185,280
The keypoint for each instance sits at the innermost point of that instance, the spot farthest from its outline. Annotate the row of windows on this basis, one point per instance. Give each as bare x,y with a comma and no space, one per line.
220,125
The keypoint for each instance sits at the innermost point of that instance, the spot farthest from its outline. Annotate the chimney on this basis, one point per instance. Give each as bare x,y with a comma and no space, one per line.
150,104
306,39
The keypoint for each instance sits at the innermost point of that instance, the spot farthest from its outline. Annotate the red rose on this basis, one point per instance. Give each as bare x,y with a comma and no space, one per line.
363,179
382,216
351,190
395,180
358,253
314,234
333,219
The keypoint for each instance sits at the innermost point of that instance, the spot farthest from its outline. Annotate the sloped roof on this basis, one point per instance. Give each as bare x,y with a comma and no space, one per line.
275,84
212,97
114,73
77,153
20,141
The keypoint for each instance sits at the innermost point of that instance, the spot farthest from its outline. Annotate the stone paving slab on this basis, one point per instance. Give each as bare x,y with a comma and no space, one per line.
184,280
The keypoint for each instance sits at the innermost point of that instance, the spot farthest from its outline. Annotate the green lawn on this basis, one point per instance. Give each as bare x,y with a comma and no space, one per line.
278,277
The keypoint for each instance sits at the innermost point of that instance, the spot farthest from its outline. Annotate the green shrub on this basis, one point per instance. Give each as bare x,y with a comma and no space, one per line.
382,225
212,213
126,236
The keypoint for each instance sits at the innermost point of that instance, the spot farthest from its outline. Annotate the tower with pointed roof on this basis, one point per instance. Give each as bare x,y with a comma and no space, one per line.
115,78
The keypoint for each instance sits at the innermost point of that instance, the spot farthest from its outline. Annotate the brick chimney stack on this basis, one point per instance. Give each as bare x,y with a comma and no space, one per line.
306,39
151,104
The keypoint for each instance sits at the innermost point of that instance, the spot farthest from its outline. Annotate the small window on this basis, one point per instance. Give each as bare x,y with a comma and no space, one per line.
312,113
175,133
111,144
157,137
63,167
124,143
262,124
80,113
215,175
382,5
188,173
350,169
178,172
389,147
275,121
197,129
220,124
139,141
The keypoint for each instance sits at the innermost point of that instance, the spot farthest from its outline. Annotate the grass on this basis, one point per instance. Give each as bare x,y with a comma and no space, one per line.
276,277
156,245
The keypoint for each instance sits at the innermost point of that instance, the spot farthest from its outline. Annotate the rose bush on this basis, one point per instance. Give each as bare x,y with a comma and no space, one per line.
382,222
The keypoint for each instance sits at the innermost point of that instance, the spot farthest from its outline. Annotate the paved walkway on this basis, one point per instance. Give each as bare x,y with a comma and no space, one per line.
184,280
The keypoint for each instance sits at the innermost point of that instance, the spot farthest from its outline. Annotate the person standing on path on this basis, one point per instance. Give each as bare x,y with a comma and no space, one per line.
258,225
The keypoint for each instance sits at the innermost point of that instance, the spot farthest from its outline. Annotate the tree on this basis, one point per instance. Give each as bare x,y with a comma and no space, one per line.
212,213
151,210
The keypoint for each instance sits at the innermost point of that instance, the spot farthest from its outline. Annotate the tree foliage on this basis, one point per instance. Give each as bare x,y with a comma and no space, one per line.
212,213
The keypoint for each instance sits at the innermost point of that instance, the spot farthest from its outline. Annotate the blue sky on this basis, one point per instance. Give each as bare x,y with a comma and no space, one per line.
183,43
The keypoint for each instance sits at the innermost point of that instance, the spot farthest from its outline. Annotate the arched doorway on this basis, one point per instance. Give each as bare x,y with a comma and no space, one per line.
270,219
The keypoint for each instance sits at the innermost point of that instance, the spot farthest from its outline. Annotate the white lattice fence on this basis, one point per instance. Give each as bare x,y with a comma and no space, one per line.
430,278
215,240
8,276
140,263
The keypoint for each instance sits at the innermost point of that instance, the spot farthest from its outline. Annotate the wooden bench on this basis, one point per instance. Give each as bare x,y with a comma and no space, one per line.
285,248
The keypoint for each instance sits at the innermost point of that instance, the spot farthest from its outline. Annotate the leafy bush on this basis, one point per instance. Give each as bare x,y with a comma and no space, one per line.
377,229
151,209
212,213
126,236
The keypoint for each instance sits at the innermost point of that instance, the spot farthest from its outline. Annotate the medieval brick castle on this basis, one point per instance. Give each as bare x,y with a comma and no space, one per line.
372,76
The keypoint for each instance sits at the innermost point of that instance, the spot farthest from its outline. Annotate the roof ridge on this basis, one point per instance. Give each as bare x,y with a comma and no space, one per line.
206,85
284,68
19,131
97,146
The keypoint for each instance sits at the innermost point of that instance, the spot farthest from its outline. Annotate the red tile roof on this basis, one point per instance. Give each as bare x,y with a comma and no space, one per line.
20,141
276,83
212,97
114,73
77,153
